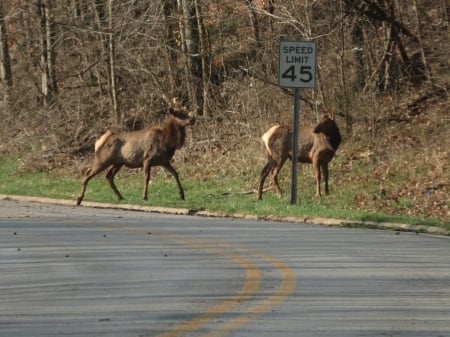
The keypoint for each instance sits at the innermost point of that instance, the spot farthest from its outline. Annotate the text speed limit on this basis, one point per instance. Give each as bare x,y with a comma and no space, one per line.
297,61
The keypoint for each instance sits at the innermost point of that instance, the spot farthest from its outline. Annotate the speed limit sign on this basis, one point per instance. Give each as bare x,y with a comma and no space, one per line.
297,70
297,64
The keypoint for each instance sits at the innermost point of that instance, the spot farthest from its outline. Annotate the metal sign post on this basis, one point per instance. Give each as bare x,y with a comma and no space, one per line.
295,137
297,69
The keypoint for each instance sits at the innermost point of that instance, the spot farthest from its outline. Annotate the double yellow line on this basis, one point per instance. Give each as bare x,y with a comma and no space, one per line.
250,287
252,283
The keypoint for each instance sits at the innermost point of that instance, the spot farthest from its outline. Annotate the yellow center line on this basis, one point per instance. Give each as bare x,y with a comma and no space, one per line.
287,287
252,284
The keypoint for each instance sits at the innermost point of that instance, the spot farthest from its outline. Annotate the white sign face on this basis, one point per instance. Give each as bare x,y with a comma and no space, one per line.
297,64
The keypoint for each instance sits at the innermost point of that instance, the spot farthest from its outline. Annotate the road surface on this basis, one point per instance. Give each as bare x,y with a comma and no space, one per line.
80,271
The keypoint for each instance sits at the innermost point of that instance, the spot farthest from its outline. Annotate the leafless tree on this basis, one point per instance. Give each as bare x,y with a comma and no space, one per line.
190,40
48,53
254,20
112,63
5,62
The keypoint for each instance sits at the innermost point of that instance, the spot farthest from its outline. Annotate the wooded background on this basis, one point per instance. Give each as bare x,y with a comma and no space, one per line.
72,69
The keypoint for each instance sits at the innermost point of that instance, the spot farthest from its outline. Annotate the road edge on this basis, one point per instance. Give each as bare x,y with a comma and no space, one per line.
186,211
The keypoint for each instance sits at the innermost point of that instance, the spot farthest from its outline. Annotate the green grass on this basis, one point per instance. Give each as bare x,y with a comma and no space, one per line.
212,194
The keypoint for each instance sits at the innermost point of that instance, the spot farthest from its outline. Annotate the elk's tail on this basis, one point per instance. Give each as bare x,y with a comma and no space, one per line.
99,143
266,138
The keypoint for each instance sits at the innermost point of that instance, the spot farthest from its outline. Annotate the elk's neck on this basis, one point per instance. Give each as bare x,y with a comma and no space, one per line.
335,140
174,135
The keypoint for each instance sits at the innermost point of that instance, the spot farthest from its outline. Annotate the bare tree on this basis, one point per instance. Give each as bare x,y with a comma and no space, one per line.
171,48
48,54
190,46
5,62
112,64
424,62
204,55
254,20
121,61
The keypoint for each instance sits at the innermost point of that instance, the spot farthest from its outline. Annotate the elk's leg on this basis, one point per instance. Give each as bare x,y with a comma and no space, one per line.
316,169
325,177
172,171
263,175
146,171
84,183
274,174
96,169
110,174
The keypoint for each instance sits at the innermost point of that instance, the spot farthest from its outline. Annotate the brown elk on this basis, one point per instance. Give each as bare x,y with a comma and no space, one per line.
317,146
154,146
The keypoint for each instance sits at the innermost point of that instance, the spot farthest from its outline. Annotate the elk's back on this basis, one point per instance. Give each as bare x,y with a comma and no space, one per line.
129,148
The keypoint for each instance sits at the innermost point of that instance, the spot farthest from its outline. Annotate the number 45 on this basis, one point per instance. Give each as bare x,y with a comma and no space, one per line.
305,74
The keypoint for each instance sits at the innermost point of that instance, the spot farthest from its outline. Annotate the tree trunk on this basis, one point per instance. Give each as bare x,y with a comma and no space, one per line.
48,77
254,19
112,66
445,10
344,85
5,64
190,43
204,58
169,9
100,15
426,69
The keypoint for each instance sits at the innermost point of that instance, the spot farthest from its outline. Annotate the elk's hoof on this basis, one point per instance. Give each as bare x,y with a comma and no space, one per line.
79,201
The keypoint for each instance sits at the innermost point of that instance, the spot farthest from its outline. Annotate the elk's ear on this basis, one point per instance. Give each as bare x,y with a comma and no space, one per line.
332,115
177,105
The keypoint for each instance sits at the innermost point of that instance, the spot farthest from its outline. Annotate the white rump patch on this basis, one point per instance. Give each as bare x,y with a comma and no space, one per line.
102,140
266,137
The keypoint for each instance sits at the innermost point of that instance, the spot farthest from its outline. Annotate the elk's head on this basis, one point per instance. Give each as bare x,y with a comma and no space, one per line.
181,114
327,125
329,128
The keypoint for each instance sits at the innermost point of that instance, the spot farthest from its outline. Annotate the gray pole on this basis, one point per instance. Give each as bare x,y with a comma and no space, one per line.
295,146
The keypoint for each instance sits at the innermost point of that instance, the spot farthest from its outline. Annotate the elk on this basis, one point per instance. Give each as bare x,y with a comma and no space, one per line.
317,146
154,146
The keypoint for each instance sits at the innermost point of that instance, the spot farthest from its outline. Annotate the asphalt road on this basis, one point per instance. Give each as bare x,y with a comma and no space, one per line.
80,271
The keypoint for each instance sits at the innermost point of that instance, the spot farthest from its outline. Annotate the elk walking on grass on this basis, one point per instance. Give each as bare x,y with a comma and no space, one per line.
317,146
154,146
